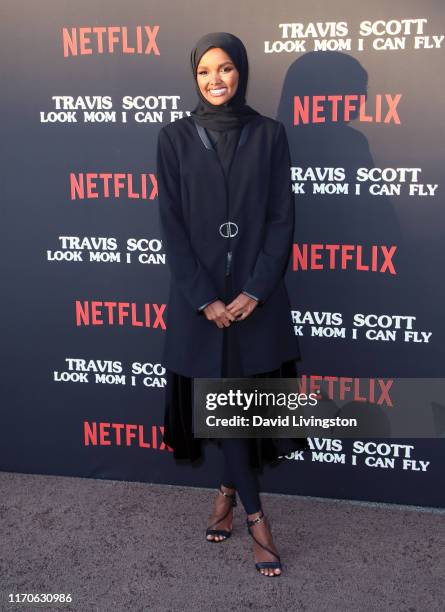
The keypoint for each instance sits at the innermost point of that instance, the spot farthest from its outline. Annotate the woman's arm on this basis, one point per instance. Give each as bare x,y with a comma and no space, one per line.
273,258
188,272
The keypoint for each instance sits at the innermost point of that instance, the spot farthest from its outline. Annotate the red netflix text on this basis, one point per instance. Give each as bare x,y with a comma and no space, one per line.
373,258
340,108
124,434
109,39
112,184
119,313
371,390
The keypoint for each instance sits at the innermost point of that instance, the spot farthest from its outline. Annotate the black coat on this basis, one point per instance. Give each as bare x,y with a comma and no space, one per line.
195,204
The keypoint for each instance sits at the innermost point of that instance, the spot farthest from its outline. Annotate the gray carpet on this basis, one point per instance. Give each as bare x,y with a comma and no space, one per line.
134,546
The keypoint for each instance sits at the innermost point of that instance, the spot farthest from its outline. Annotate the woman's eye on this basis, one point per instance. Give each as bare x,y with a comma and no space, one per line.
226,69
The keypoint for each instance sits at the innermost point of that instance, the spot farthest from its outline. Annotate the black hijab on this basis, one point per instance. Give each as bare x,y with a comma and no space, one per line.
235,113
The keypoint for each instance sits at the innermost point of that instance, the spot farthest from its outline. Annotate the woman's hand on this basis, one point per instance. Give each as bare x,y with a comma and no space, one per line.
217,312
242,306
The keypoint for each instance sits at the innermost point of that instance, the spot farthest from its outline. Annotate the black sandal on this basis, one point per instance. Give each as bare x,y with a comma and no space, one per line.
221,532
264,564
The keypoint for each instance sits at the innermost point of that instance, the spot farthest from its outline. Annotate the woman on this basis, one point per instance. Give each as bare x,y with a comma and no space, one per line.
227,219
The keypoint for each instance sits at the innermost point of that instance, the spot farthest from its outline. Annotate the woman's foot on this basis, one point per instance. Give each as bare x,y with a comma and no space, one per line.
261,531
223,505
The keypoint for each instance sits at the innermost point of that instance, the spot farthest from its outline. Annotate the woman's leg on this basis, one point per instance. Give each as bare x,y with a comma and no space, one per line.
238,474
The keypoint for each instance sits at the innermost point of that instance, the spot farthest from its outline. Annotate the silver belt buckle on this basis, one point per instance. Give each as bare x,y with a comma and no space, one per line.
229,229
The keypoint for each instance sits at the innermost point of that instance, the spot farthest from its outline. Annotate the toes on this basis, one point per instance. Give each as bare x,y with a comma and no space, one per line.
270,572
216,538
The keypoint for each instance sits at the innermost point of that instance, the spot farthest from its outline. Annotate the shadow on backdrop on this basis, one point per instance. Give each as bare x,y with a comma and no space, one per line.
342,218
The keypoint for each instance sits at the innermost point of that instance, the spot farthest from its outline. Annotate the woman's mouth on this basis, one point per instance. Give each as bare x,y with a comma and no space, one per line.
218,92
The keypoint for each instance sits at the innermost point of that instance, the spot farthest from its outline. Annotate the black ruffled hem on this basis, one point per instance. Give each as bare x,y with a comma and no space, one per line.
178,423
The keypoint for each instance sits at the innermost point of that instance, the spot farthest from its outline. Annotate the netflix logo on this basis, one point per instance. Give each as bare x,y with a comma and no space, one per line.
124,434
342,388
119,313
374,258
344,108
139,40
93,185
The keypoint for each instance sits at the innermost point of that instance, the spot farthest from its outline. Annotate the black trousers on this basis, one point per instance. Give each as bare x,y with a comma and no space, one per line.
238,472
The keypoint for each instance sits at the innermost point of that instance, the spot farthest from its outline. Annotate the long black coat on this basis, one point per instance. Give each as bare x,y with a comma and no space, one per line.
196,202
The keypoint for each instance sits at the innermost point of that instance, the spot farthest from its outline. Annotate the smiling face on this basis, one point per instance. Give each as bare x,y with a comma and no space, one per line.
217,76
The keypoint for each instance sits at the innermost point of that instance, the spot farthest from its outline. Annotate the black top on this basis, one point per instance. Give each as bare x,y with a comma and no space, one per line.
225,143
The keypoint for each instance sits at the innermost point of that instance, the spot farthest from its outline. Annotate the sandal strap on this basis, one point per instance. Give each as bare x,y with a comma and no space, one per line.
265,548
258,519
264,564
255,522
231,496
220,519
222,532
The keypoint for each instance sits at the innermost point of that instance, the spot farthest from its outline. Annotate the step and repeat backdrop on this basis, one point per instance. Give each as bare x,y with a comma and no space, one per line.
87,87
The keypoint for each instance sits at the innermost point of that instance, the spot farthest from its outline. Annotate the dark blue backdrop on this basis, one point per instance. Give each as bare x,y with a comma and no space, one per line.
46,418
